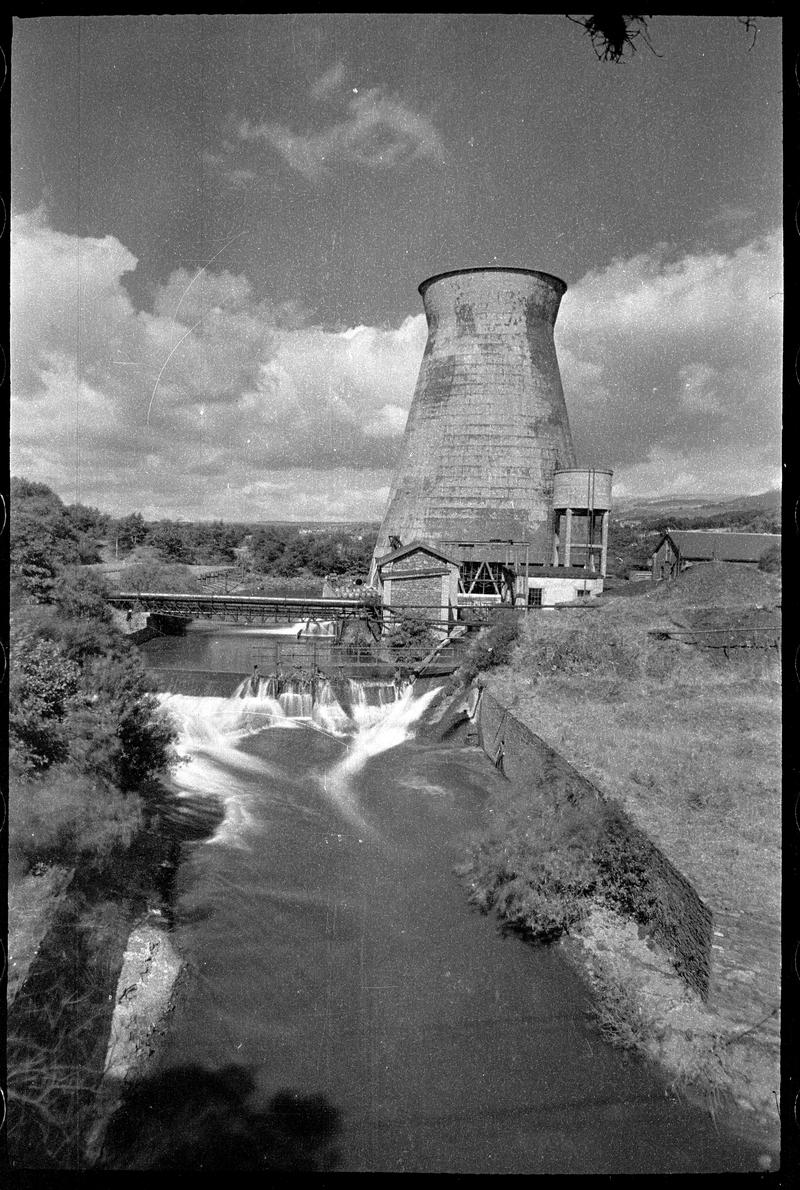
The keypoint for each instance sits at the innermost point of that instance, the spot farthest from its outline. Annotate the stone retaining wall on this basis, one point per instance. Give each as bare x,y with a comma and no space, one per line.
681,922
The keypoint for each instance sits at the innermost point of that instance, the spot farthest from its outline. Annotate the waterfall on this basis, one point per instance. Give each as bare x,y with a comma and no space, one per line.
379,716
284,702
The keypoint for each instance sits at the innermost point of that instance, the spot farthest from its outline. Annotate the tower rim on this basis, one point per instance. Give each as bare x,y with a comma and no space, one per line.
426,284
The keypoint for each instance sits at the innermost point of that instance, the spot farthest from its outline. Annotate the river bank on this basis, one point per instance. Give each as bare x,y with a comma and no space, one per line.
688,745
95,975
146,995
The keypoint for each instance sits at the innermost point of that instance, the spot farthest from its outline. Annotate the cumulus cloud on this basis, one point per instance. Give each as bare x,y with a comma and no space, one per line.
328,83
214,385
666,359
377,131
217,401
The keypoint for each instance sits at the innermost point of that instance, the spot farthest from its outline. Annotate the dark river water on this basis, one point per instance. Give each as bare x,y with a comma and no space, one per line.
334,952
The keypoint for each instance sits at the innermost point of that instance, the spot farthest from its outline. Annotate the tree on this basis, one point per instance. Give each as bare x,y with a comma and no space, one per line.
168,538
82,595
90,521
42,683
128,532
42,539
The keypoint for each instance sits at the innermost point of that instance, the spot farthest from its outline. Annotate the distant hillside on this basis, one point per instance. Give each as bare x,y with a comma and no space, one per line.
764,504
637,524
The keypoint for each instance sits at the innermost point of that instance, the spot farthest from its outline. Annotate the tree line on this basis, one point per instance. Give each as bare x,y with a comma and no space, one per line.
48,534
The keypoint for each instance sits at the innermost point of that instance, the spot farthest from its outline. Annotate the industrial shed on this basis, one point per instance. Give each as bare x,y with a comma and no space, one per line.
680,548
416,577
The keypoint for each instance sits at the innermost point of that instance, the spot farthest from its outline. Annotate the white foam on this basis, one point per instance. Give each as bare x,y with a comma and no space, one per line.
211,730
392,725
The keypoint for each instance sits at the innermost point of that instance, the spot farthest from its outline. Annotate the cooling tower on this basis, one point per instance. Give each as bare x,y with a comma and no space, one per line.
488,424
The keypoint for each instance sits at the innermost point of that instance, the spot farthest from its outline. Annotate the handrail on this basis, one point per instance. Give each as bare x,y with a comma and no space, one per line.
240,600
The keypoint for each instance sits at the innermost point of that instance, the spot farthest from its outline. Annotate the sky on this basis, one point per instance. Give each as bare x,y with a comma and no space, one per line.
219,224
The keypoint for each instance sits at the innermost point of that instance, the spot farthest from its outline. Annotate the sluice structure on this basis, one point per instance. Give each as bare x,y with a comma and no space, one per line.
487,459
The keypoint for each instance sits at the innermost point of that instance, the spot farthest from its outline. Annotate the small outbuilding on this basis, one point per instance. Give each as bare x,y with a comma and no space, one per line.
679,548
419,578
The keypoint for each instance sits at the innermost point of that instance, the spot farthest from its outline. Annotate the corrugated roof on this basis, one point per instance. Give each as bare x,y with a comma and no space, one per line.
703,545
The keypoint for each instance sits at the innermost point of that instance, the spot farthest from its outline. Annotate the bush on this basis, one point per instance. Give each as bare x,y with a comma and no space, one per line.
63,815
623,858
43,684
493,646
82,595
410,639
160,577
539,875
770,560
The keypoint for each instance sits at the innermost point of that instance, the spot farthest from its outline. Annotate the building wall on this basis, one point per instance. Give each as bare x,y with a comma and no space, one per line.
564,590
402,593
407,585
665,561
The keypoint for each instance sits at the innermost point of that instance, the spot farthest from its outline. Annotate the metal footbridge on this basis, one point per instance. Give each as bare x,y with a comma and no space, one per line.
245,609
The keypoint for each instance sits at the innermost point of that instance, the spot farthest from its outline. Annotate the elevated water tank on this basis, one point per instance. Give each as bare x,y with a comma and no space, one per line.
581,503
488,424
582,487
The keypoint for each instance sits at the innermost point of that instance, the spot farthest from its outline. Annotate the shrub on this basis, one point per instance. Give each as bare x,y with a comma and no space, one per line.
540,874
158,576
61,815
623,858
493,646
43,683
410,639
770,560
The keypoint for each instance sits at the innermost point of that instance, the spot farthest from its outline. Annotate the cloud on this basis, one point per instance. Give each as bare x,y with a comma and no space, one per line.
204,394
378,132
738,470
328,83
730,216
678,359
217,401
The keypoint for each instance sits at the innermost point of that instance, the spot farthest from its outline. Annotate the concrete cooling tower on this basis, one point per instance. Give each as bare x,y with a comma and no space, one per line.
488,426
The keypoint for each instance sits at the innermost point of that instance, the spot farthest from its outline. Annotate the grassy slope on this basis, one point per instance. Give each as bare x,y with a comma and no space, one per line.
689,743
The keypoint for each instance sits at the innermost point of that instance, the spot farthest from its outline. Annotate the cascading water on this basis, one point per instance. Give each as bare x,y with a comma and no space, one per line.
212,729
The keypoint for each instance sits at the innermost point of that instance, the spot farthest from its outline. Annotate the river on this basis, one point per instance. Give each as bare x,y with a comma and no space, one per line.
333,951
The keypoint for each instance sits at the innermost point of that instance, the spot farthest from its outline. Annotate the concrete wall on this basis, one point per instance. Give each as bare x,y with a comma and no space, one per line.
564,590
142,626
681,922
488,423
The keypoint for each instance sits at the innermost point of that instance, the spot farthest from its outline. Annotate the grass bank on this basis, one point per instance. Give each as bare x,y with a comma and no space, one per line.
687,741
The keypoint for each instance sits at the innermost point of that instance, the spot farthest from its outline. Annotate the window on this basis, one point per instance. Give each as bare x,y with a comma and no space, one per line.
481,578
534,596
582,592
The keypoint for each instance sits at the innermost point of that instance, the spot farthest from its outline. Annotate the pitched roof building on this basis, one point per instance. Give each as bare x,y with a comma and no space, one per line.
679,548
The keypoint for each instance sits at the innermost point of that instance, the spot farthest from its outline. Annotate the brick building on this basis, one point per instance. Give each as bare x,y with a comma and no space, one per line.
418,578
